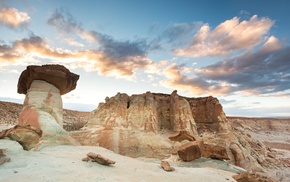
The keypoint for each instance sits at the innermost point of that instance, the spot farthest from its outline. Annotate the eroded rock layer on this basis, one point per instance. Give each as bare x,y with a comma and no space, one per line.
42,108
156,112
159,125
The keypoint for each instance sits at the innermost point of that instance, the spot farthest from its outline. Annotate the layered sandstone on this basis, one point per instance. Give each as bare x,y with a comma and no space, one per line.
42,108
149,125
155,112
159,125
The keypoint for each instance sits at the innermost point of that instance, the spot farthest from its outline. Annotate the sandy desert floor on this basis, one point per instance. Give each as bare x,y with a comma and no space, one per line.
64,163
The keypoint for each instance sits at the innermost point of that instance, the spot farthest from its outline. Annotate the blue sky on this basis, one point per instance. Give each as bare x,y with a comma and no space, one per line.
235,50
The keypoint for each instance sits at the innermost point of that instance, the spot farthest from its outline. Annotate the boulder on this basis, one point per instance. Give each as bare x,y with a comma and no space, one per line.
57,75
215,152
98,158
190,151
26,136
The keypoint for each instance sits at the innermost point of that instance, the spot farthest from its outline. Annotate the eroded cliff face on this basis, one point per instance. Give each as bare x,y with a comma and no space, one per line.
141,125
156,112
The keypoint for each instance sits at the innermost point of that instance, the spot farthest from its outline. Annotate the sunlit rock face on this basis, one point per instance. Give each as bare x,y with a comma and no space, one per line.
42,108
146,112
208,113
145,125
156,112
141,124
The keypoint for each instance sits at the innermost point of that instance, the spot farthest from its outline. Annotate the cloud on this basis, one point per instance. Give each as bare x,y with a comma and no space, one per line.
12,18
176,78
180,31
112,57
231,35
91,60
25,50
96,60
264,71
64,22
225,101
279,112
72,42
156,67
244,12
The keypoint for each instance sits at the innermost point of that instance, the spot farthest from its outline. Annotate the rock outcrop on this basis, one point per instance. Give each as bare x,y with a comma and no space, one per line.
157,125
145,124
42,108
156,112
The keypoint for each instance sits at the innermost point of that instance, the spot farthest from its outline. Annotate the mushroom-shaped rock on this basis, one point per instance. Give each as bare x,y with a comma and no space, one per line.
57,75
42,108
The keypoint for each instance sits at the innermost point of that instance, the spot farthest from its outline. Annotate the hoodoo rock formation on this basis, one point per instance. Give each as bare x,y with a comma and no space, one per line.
160,125
42,108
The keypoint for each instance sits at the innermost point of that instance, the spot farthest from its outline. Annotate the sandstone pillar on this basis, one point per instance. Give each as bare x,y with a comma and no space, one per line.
42,108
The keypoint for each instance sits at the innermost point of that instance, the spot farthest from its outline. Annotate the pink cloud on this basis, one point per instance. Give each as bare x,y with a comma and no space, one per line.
229,36
262,71
12,18
90,60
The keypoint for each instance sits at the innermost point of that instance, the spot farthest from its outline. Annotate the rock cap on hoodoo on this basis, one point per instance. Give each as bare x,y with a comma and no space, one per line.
57,75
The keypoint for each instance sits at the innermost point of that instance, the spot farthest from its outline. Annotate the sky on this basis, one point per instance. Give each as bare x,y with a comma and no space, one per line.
235,50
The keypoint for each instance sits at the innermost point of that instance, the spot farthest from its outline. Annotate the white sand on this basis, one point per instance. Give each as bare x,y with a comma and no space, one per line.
64,163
